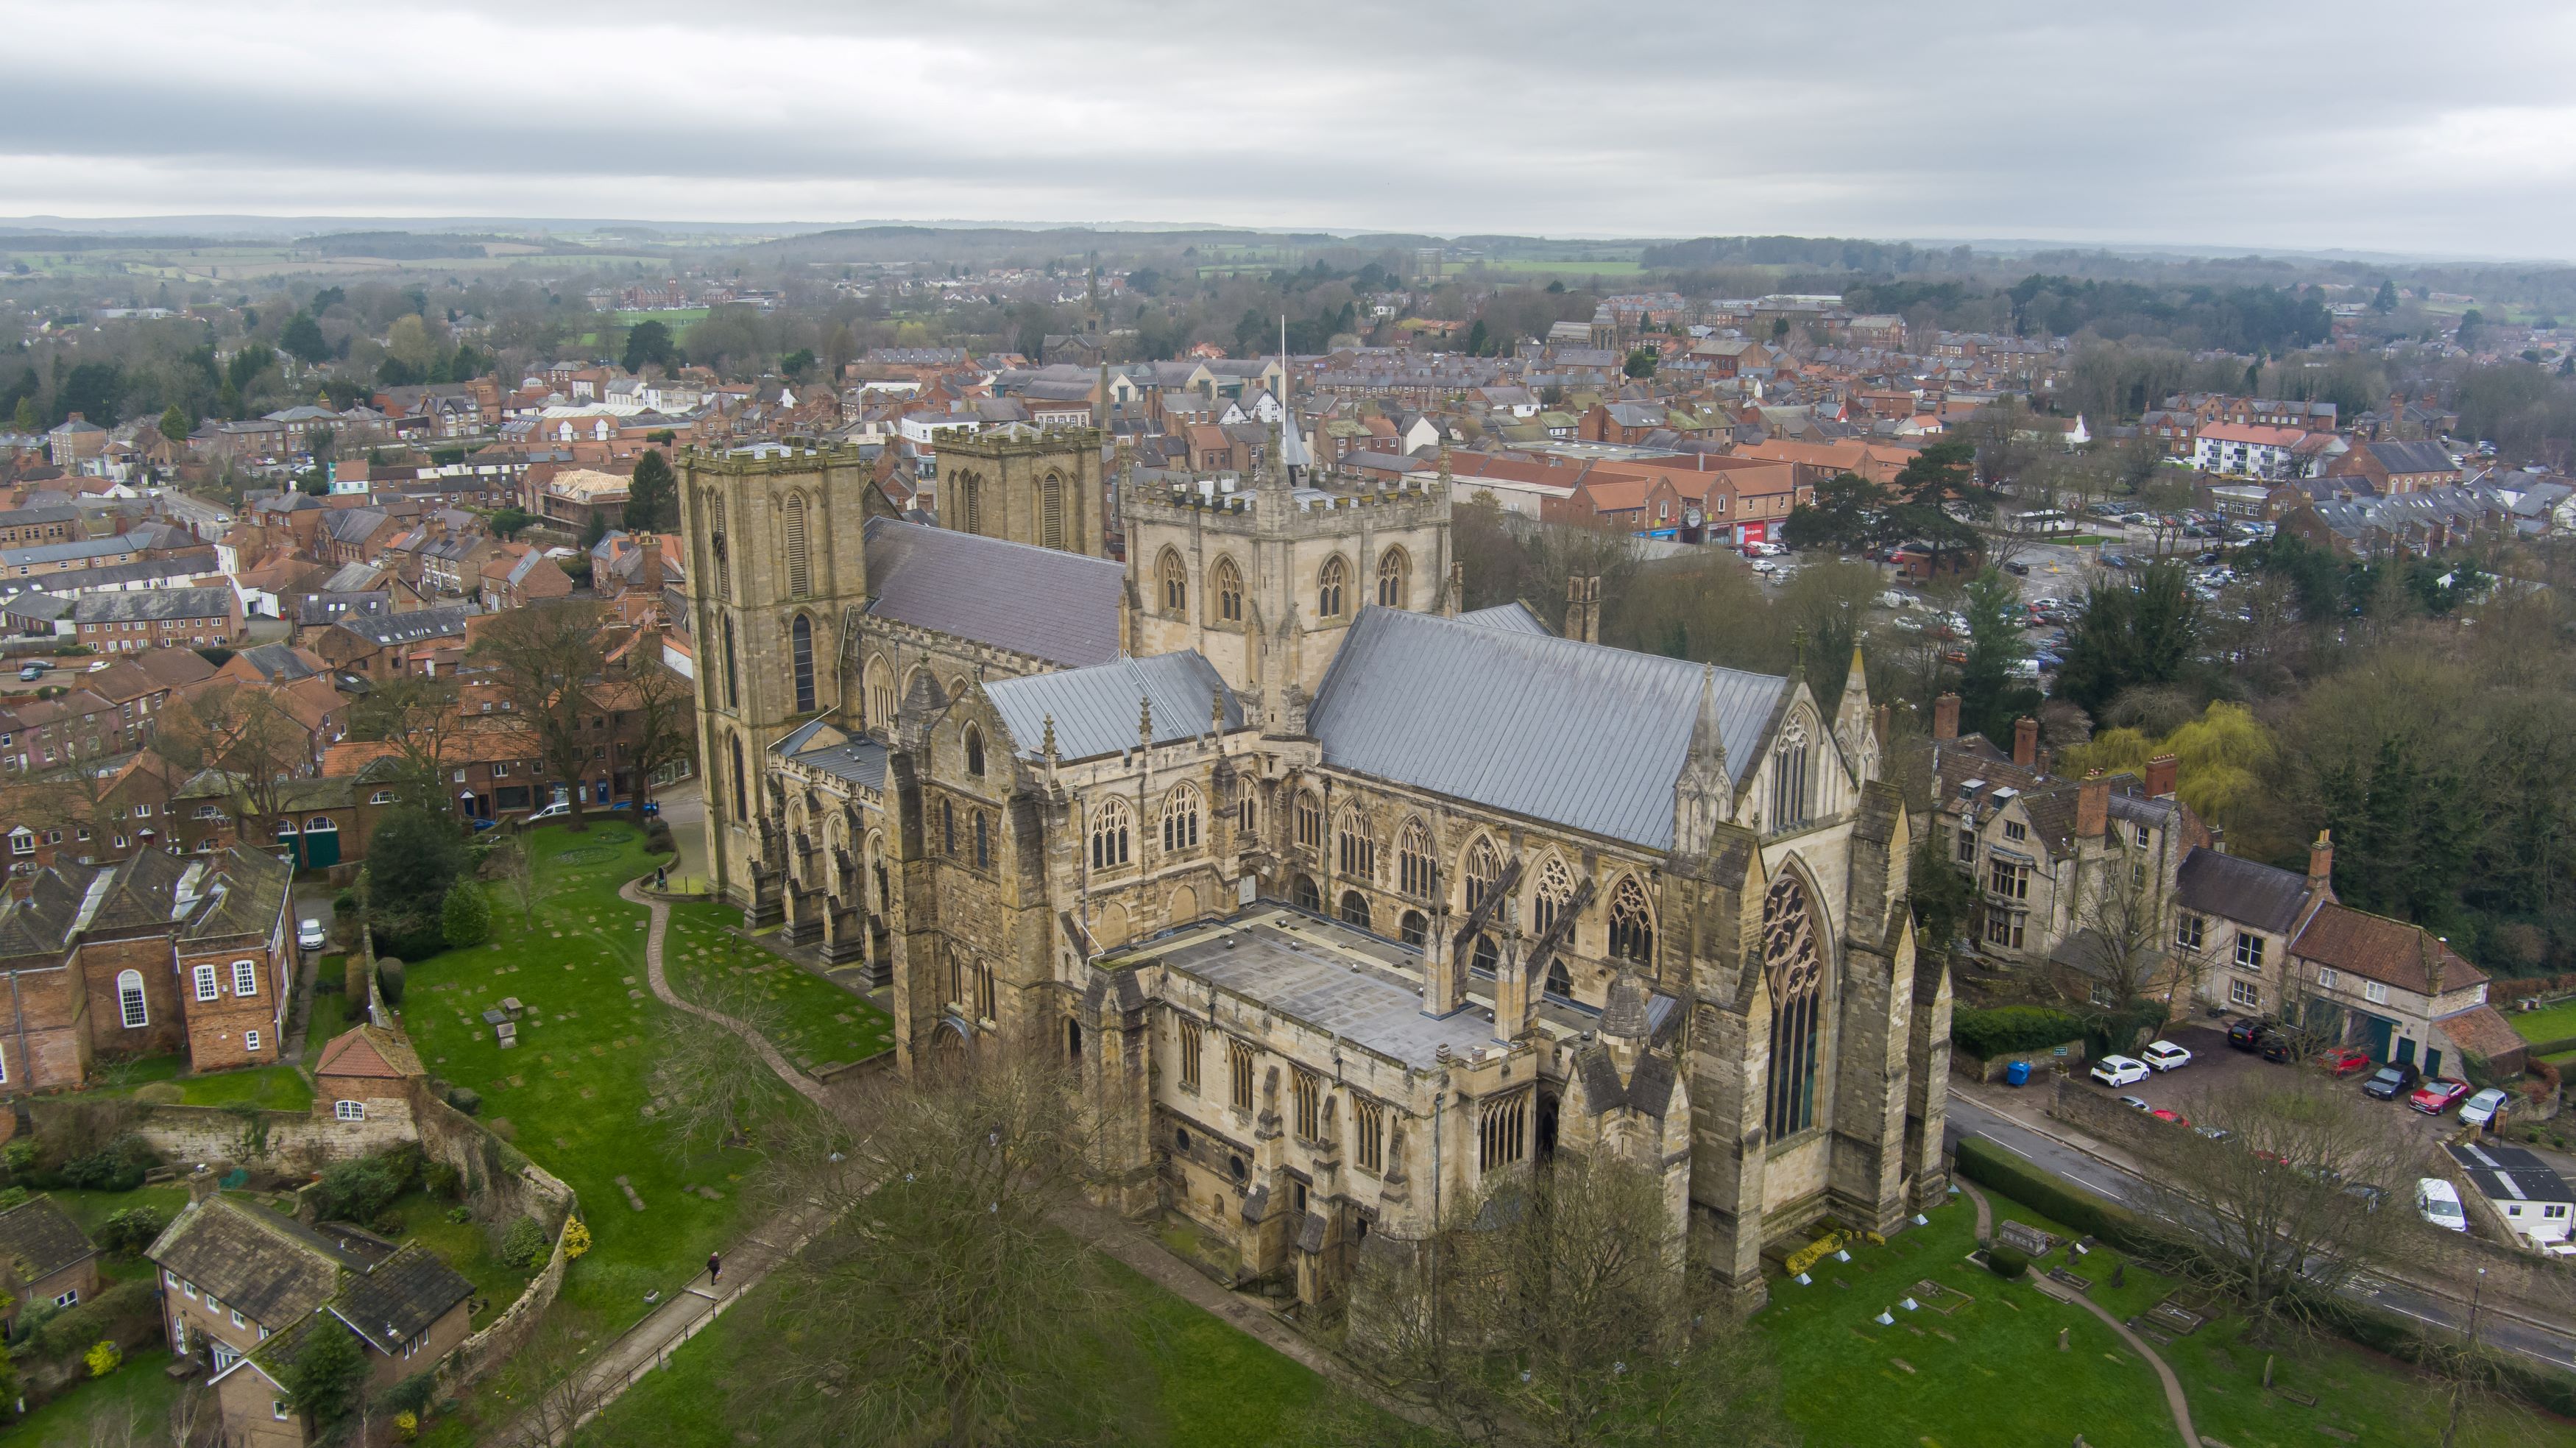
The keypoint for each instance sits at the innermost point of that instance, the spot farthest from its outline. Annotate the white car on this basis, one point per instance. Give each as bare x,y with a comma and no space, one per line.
2439,1202
2119,1070
2165,1055
556,811
309,936
2482,1108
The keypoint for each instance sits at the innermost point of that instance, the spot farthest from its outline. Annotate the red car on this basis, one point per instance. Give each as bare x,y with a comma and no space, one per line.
2345,1061
2438,1095
2174,1118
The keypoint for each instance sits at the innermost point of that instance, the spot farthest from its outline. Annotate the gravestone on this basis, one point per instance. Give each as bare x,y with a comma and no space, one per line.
2026,1237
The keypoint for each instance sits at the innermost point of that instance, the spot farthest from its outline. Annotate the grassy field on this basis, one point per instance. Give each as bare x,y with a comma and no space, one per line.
1534,266
1212,1386
137,1393
278,1088
1989,1370
573,1093
465,1246
821,1026
2551,1023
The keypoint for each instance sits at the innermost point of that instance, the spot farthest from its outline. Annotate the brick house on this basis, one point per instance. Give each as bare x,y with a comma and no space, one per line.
243,1287
160,953
157,618
2399,467
518,574
368,1073
375,645
45,1258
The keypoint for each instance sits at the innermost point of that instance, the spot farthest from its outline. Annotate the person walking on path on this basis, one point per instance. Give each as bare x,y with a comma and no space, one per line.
715,1268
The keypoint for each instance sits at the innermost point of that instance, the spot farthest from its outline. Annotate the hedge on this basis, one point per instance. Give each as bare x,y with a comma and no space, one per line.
1983,1162
2005,1029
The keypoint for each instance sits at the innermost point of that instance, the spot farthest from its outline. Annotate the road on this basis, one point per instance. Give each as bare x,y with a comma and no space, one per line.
2016,1133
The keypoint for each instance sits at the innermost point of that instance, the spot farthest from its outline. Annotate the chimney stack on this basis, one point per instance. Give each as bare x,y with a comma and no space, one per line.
1879,718
2025,741
201,1184
1945,719
2321,861
2092,807
2161,774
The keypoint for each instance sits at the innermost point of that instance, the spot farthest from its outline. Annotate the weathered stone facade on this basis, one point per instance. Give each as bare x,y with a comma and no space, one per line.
1322,1000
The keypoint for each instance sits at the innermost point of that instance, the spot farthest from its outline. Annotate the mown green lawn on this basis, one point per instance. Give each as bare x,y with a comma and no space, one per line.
819,1025
2552,1023
329,1014
572,1094
98,1411
277,1088
1212,1386
467,1246
1990,1372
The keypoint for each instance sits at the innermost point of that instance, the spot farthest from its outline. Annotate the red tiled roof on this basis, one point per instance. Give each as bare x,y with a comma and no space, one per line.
368,1051
2375,947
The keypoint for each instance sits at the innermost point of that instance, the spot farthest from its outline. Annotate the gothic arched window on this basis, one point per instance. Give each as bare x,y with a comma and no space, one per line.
974,504
800,572
1357,853
1416,873
880,693
1173,581
716,545
1792,791
1393,572
1310,819
1560,983
1181,819
800,652
974,751
1555,887
1228,588
1632,923
1303,894
1485,957
1051,512
1414,929
1484,866
733,676
1110,827
1328,587
741,791
1355,909
1793,967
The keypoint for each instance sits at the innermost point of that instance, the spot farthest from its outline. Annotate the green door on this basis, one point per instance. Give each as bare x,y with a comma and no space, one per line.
321,846
2382,1031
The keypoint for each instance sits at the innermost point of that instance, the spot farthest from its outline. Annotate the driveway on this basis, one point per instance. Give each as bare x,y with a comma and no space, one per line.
2215,1065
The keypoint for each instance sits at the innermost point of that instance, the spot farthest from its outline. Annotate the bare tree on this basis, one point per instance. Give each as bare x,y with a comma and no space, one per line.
945,1305
556,1380
1556,1309
510,864
546,660
711,1089
2278,1206
417,716
657,712
2121,918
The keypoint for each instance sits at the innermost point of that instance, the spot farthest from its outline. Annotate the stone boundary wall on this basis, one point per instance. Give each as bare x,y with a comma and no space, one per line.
2043,1060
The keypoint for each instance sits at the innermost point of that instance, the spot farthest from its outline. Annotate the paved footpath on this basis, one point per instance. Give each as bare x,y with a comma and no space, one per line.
649,1343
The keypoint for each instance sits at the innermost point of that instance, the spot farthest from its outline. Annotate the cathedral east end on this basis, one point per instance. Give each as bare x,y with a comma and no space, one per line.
1341,900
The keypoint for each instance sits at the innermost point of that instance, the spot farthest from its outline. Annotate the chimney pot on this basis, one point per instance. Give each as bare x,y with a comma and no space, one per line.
1945,718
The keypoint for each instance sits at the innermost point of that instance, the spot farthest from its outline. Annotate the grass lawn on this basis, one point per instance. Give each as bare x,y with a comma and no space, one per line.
328,1016
137,1392
1997,1376
2551,1023
468,1246
90,1209
823,1025
278,1088
572,1093
1214,1387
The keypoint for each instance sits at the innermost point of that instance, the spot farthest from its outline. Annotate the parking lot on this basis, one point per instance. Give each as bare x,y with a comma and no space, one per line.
2214,1064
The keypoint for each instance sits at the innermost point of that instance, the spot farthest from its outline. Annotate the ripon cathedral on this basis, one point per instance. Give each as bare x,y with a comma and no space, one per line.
1338,899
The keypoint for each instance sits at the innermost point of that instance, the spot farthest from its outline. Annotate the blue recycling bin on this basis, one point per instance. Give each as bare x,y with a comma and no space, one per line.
2017,1074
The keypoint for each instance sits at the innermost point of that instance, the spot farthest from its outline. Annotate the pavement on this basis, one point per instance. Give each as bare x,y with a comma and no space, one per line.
2018,1124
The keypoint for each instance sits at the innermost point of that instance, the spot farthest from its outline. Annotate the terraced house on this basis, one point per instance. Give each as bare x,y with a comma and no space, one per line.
1346,904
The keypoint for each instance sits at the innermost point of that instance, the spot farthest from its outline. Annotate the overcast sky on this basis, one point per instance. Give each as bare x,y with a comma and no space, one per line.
2259,123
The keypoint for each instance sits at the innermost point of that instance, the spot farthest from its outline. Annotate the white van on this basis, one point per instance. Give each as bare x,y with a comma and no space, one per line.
2439,1202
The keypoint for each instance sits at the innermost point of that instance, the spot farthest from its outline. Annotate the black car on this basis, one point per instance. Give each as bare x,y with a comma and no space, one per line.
2246,1033
2278,1046
2391,1081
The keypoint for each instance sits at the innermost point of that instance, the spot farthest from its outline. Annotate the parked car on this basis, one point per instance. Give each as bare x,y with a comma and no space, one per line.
2439,1203
2246,1033
2119,1070
2345,1061
2136,1103
556,811
2481,1109
2214,1133
309,936
2170,1118
2165,1055
2391,1080
2438,1095
2278,1046
31,673
2017,569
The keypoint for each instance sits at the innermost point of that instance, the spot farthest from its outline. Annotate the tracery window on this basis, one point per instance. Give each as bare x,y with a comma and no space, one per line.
1632,922
1793,966
1308,1090
1228,587
1175,582
1368,1133
1357,850
1051,512
1190,1052
1310,819
1355,909
1414,929
1181,820
1392,572
1417,874
1484,866
880,693
800,651
1328,588
1555,887
1238,1060
1792,804
1110,826
1503,1133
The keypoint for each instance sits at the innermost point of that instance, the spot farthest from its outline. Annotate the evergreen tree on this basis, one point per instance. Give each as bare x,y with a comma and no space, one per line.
175,424
1990,698
465,917
2146,633
303,340
2386,301
652,497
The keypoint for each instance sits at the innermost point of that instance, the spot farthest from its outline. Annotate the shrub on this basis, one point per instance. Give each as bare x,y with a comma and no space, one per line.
576,1238
12,1197
102,1358
118,1168
465,1099
18,1156
524,1245
441,1180
460,1214
345,903
466,917
2005,1029
1983,1162
131,1230
359,1191
326,1373
2008,1263
406,1425
389,979
160,1093
124,1312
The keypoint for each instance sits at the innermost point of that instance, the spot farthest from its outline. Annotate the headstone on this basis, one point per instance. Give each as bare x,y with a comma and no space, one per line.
2026,1237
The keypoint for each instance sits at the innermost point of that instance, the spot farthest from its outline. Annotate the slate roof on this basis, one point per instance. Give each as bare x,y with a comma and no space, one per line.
278,663
2249,892
1326,975
412,627
1098,710
1514,721
1515,617
397,1299
273,1268
41,924
154,603
1044,602
40,1239
2375,947
2412,457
